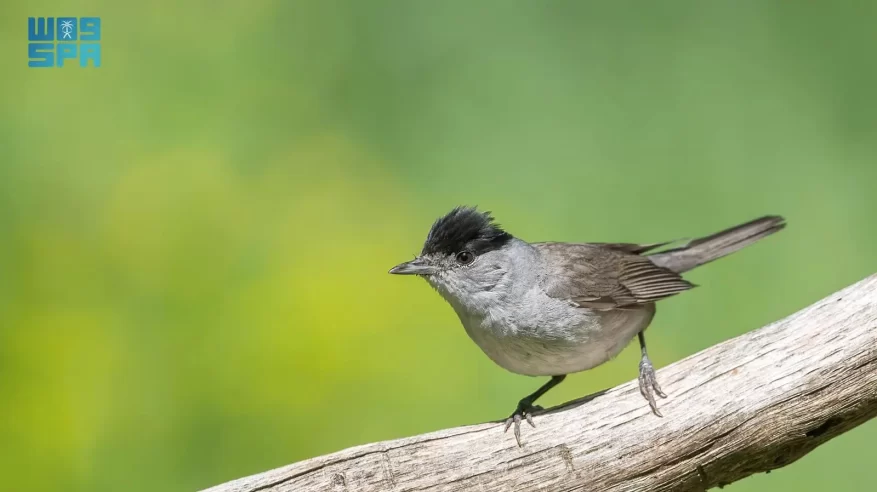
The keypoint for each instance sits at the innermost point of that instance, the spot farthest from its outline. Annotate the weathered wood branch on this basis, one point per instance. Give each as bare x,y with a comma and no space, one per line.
751,404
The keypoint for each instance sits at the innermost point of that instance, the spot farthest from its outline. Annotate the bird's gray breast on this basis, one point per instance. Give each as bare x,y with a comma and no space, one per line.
543,336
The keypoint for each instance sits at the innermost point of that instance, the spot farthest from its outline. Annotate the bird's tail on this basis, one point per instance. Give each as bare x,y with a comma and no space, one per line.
709,248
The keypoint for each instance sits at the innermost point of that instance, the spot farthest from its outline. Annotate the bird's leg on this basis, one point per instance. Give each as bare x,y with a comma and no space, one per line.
526,408
648,382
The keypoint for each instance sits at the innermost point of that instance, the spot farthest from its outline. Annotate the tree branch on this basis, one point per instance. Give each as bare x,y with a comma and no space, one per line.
751,404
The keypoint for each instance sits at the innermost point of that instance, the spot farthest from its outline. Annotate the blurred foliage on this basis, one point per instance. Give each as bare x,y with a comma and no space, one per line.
195,237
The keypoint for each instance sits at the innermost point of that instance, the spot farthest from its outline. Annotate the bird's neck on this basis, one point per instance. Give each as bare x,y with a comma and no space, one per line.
493,293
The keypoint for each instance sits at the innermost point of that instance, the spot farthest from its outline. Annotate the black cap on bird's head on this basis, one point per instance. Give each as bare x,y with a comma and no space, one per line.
462,230
465,228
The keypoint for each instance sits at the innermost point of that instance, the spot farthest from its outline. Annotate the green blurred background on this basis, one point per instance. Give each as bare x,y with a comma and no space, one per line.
196,236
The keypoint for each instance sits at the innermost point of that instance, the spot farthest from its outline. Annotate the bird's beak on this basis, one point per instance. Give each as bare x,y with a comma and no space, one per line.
417,266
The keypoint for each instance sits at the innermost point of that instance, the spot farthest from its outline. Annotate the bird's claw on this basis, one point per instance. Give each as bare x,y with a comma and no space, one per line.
523,412
648,384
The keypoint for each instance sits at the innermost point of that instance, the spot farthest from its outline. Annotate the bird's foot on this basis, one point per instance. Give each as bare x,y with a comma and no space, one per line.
648,384
523,412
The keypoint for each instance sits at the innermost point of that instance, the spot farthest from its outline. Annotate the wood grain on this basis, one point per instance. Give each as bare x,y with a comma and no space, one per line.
751,404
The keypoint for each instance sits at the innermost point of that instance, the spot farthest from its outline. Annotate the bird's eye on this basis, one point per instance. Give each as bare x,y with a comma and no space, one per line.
465,257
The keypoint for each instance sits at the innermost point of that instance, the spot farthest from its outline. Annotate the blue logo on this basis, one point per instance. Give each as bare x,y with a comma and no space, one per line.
76,39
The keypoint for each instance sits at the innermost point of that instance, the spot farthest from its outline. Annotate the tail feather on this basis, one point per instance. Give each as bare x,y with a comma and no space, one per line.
713,247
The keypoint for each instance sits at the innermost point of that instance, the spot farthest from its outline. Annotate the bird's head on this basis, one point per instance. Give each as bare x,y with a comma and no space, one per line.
462,254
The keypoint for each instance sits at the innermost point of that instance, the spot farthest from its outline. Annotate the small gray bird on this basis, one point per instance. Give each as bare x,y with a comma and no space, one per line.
551,309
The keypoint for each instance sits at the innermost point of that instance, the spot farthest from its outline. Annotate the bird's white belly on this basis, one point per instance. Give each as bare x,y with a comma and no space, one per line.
572,340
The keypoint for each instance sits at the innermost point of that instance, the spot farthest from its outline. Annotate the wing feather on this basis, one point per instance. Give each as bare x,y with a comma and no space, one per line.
605,276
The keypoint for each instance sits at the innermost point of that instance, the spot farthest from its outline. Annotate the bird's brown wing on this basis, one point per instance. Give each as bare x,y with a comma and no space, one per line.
605,277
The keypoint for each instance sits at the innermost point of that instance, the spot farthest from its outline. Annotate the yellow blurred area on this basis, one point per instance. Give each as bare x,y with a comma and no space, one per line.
196,235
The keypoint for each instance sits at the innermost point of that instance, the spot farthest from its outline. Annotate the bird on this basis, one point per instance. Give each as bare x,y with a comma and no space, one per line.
555,308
